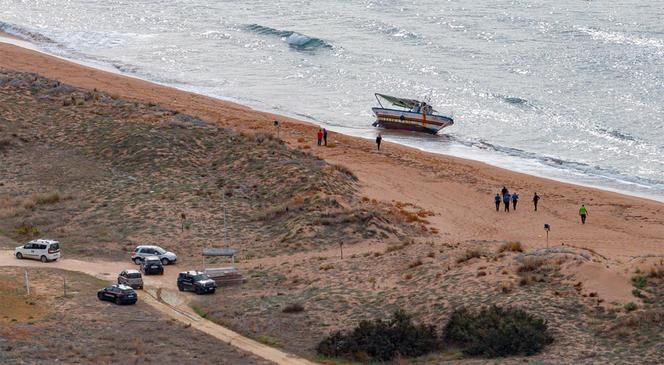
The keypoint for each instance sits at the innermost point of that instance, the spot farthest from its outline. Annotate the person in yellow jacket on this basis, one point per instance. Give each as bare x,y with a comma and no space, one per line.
583,212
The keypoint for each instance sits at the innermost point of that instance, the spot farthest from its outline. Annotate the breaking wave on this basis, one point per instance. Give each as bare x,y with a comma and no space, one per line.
294,39
24,33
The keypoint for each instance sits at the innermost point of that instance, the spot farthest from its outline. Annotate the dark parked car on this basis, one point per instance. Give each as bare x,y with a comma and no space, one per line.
196,281
152,265
131,278
118,293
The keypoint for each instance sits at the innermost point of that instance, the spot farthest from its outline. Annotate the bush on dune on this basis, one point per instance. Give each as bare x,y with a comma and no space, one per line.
381,340
513,246
496,332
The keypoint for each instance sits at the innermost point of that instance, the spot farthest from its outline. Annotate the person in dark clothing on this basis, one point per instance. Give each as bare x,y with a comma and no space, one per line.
320,136
515,199
378,140
506,201
497,198
504,191
536,199
325,136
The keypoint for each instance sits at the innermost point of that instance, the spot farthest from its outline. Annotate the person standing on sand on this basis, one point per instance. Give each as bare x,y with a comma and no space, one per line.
504,191
536,199
320,136
583,212
325,136
506,201
497,199
379,139
515,199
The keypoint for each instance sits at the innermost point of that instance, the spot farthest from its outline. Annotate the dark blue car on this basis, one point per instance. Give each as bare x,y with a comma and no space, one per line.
118,293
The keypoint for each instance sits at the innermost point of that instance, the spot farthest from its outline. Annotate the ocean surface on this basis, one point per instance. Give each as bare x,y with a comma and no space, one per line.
569,89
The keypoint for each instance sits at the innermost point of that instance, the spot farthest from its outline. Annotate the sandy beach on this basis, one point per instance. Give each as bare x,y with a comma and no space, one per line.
460,192
622,232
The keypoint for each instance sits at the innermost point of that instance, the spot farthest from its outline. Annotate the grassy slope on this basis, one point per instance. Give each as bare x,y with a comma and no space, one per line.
119,173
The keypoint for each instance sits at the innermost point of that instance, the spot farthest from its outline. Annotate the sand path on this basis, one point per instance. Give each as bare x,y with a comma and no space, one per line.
161,295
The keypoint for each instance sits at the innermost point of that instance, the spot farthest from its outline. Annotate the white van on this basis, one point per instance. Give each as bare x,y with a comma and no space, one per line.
44,250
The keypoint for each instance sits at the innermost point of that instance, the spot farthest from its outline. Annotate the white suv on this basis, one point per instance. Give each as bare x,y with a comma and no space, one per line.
141,252
44,250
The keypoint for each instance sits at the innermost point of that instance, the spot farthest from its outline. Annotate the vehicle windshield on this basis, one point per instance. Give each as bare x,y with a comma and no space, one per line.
127,291
55,246
201,277
134,275
160,251
152,260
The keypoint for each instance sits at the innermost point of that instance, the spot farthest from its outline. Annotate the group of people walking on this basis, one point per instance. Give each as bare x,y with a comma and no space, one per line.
505,197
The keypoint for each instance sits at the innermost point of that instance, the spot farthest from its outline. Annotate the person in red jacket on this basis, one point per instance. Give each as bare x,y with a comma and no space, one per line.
320,136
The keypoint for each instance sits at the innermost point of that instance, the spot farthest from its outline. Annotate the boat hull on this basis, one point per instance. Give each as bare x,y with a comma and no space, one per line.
407,120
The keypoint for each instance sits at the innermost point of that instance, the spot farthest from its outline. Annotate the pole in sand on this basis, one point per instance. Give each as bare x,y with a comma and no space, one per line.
27,282
223,202
547,228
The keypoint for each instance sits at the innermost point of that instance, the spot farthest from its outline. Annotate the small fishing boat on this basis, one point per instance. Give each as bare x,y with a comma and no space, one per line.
414,115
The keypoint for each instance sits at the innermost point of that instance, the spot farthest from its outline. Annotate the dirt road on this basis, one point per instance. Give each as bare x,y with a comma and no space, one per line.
160,293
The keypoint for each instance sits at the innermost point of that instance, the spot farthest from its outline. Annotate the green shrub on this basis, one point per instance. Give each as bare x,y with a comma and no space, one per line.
381,340
639,281
496,332
631,307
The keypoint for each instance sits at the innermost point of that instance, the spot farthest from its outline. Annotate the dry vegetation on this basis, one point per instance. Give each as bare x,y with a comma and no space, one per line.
83,330
83,166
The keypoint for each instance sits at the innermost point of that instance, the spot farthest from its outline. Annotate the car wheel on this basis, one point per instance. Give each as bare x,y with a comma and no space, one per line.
19,255
198,291
44,259
118,301
212,291
180,288
100,296
164,261
137,261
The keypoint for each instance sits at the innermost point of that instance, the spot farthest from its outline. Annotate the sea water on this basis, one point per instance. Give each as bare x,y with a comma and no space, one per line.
571,90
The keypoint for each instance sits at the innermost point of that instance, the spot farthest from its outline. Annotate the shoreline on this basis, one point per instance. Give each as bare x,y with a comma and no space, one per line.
458,191
555,174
